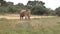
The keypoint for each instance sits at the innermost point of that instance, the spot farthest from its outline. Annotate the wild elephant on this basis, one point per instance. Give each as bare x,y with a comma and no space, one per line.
25,13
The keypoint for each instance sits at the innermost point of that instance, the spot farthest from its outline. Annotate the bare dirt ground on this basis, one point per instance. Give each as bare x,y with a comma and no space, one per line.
38,23
34,23
16,16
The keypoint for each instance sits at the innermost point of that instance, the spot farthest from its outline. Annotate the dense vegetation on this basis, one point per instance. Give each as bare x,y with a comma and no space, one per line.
36,7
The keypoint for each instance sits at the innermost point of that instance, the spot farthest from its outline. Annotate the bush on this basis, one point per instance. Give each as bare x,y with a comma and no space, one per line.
38,10
58,11
10,9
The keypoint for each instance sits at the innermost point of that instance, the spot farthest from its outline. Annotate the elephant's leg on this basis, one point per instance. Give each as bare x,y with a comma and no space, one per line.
25,16
21,18
28,17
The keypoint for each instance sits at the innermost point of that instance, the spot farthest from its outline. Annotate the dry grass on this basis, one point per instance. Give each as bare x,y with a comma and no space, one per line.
34,26
16,16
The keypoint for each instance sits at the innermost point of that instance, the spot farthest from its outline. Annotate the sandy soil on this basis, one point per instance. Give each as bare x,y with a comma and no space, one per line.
13,16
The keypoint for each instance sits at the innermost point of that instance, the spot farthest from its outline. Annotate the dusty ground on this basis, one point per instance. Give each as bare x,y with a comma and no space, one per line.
46,25
13,16
33,22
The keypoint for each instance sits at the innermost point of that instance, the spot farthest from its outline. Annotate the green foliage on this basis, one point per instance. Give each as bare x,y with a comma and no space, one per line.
2,2
3,9
46,26
39,10
58,11
10,9
33,3
51,12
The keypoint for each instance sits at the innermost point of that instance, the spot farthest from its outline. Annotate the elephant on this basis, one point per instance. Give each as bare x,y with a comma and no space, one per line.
25,13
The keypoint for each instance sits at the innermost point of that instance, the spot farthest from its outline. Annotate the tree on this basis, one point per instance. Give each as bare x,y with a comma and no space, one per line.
20,4
58,11
33,3
9,3
37,7
2,2
38,10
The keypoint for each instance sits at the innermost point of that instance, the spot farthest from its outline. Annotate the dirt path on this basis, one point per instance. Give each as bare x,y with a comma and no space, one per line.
17,16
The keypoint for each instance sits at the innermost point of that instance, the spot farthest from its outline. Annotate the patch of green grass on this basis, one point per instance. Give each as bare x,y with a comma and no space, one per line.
3,19
13,27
